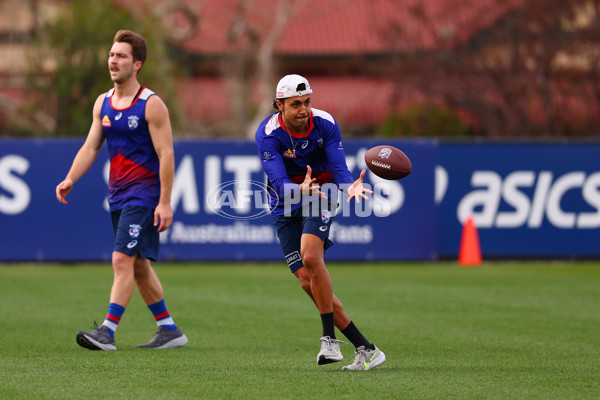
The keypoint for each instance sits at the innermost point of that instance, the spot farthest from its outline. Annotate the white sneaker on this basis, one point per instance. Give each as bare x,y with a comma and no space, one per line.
330,351
366,359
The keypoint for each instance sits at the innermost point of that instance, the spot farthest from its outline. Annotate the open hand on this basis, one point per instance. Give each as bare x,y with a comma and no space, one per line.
357,190
309,187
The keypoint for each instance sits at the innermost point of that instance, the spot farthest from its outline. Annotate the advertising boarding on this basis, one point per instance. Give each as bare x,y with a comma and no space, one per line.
219,202
527,200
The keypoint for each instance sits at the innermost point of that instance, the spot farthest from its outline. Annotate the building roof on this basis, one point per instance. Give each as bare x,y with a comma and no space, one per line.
335,27
352,101
325,28
331,28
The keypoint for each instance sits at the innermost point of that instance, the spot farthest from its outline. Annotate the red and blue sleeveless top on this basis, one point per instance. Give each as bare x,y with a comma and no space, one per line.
134,165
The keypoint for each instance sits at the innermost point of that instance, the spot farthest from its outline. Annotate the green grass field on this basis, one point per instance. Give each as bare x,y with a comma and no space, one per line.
500,331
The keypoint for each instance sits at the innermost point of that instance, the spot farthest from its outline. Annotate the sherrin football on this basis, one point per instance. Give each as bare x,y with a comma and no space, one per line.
388,162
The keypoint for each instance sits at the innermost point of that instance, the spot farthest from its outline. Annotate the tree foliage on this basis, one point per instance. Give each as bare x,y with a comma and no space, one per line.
423,121
533,72
70,69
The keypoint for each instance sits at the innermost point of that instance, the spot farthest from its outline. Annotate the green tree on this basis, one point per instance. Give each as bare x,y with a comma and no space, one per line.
423,121
69,69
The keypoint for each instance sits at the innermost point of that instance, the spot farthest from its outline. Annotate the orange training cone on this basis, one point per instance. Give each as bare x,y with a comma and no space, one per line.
470,251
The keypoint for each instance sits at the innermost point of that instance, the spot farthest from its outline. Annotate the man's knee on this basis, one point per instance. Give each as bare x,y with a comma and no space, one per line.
312,260
122,263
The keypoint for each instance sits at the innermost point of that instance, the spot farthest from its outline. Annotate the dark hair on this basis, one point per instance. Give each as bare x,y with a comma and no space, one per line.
139,46
275,103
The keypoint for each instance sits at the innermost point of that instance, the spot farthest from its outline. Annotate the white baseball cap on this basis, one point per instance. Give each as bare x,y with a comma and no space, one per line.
291,86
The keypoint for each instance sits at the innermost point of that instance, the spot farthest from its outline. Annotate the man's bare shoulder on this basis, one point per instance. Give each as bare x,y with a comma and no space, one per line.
157,113
98,103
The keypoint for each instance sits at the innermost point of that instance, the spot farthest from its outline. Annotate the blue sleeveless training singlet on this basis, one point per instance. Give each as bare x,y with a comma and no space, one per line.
134,165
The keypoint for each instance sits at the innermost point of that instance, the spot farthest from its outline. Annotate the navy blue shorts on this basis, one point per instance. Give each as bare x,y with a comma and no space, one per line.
135,232
291,228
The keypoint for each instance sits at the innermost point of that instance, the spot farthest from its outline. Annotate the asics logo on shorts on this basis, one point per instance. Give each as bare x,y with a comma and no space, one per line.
132,244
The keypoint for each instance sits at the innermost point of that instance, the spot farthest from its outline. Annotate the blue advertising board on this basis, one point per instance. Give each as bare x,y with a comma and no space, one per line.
33,225
219,206
527,200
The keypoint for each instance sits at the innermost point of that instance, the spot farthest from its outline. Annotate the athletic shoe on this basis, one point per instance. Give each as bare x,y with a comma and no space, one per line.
98,339
330,351
166,339
366,359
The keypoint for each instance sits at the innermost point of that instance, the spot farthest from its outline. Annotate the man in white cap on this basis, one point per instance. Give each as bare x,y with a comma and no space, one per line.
303,156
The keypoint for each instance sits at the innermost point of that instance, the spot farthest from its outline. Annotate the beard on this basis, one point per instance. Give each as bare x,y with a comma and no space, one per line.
121,76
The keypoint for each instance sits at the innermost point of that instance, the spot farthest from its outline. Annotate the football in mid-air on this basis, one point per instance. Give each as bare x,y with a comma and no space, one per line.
388,162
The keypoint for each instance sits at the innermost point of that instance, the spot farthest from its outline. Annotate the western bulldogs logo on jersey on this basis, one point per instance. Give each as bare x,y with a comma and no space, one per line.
133,121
